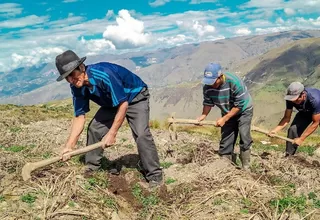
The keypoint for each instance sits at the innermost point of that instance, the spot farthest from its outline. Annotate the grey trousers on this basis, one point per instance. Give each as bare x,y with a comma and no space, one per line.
138,119
240,124
300,122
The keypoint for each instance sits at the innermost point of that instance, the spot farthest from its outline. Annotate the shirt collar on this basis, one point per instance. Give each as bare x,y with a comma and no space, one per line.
91,81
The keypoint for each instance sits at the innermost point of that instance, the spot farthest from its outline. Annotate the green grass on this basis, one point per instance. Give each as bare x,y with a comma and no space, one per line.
297,203
28,198
71,204
110,202
99,179
170,180
146,201
15,129
217,201
2,199
14,149
307,149
166,165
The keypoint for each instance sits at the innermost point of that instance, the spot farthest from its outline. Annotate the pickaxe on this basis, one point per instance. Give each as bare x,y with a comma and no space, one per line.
29,167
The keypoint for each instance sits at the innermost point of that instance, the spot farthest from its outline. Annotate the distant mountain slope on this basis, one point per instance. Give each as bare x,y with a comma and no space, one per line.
267,80
170,66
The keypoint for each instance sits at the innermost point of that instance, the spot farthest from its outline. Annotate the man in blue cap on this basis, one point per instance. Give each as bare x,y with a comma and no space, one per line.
121,94
307,102
229,93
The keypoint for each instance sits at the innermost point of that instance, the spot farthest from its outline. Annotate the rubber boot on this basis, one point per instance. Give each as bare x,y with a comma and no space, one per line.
245,159
234,158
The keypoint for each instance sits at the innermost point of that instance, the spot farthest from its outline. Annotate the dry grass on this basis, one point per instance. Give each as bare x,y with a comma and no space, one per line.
199,185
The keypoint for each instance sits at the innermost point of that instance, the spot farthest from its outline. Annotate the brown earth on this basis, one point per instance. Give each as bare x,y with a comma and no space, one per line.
198,184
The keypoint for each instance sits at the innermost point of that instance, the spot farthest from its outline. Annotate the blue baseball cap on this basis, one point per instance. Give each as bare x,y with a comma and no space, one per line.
211,73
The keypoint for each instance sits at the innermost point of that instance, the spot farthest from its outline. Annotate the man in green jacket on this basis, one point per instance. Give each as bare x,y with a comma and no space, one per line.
229,93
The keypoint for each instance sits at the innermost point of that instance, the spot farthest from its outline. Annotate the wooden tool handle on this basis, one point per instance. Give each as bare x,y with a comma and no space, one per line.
267,132
29,167
191,121
71,154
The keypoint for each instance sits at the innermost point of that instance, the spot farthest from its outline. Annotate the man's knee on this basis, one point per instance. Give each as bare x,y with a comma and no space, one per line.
292,131
144,136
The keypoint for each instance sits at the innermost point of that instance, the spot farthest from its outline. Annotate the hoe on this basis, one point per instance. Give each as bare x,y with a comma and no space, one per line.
29,167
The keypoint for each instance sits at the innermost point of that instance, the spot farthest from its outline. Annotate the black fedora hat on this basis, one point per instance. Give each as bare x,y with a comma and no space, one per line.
67,62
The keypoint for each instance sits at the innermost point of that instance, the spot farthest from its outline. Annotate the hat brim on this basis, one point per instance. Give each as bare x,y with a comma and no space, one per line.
209,81
291,97
61,77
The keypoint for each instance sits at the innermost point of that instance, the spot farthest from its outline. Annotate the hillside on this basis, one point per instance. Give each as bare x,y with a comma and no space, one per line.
161,68
268,76
198,184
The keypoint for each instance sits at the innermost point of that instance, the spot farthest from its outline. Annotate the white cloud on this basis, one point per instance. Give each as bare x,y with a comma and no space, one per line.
131,31
128,33
95,47
272,29
69,1
310,21
202,1
243,31
174,40
23,22
302,6
10,9
65,22
289,11
200,29
34,57
109,14
203,29
158,3
263,4
280,21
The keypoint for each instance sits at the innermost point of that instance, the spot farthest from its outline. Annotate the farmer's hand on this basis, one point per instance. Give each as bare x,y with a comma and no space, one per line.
298,141
109,139
221,122
201,118
272,133
65,150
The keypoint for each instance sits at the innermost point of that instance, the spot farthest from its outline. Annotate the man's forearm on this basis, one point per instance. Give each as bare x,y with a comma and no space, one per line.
282,124
120,116
206,110
76,130
309,130
231,113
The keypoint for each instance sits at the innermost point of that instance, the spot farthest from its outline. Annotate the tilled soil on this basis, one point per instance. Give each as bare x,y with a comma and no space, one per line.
198,184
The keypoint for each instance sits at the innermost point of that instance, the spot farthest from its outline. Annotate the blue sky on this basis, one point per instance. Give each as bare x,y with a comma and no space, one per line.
34,32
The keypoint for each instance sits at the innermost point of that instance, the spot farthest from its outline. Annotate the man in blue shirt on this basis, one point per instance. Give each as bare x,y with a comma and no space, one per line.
307,102
121,94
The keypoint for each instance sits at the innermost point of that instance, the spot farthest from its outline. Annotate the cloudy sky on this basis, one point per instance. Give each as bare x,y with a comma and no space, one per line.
33,32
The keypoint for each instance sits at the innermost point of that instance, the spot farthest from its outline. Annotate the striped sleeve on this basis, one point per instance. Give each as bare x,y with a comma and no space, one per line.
206,99
239,93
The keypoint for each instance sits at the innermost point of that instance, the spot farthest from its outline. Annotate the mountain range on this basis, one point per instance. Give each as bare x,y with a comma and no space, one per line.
267,63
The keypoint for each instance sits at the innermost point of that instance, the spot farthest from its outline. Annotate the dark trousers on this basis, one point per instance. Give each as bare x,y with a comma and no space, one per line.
138,119
300,122
240,124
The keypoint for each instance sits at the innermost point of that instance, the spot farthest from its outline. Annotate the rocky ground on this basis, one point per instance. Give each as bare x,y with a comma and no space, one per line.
197,184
